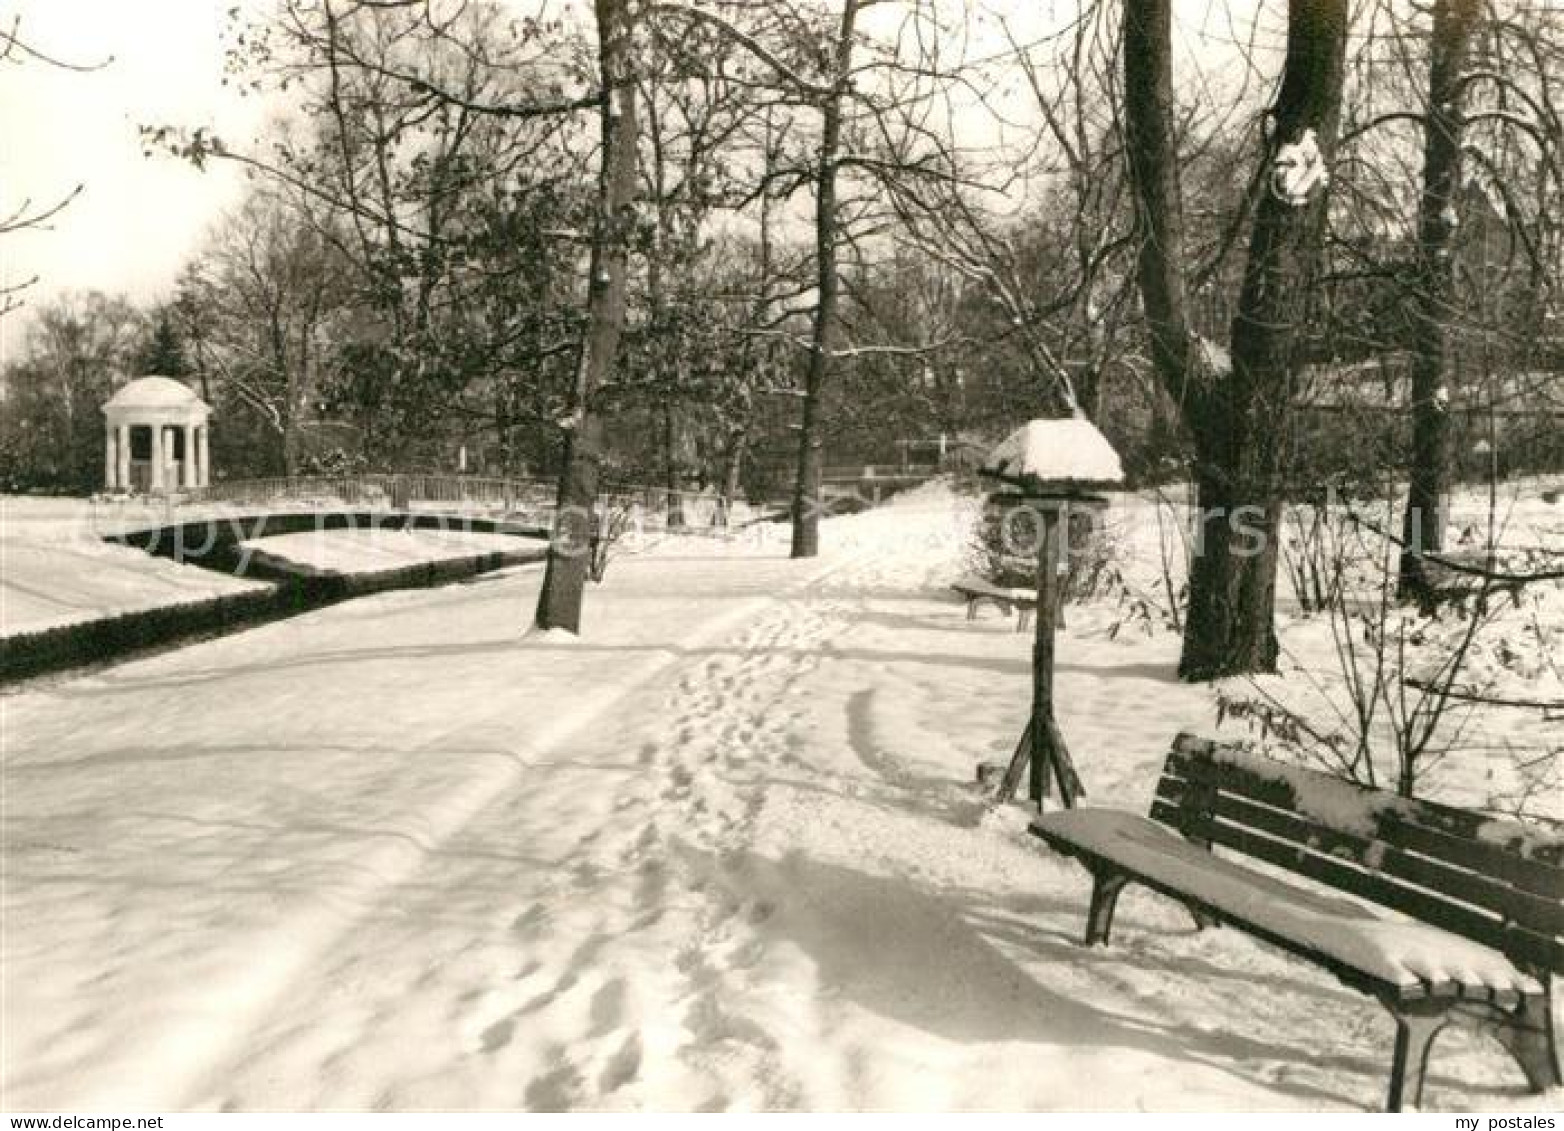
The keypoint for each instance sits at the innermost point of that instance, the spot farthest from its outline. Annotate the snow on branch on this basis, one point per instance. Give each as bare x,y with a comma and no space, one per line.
1497,577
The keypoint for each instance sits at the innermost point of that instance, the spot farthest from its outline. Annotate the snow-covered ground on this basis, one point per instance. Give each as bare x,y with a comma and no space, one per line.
55,568
371,549
719,852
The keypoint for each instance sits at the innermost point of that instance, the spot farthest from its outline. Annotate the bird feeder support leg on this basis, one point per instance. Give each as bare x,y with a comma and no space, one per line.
1050,758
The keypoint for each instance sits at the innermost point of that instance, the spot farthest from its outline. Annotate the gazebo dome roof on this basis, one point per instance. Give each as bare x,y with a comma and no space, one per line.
155,393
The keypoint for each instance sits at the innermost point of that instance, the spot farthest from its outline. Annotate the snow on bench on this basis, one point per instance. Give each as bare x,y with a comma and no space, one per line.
1438,913
1404,953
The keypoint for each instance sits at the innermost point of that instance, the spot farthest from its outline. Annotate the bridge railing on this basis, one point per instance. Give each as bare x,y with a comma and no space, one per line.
862,472
306,490
527,499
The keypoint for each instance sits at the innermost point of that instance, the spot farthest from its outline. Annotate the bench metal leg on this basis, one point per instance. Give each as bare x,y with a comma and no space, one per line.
1107,883
999,603
1415,1033
1527,1032
1202,919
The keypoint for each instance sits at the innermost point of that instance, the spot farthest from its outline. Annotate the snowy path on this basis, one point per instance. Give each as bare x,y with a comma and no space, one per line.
367,858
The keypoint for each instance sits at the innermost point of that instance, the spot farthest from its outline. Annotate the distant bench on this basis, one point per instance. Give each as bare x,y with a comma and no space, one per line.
1458,572
1484,897
976,591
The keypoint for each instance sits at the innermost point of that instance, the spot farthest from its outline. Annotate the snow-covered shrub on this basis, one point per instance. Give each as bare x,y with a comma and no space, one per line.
1004,541
614,518
1314,541
1384,694
1149,586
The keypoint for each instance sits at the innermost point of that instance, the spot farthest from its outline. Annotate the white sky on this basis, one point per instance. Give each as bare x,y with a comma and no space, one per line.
136,217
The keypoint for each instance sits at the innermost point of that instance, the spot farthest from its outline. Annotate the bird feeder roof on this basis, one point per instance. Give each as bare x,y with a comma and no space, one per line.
1055,457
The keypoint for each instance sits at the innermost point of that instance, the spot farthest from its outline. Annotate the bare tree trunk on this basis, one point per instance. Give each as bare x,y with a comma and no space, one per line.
1237,411
669,366
806,486
733,468
290,446
569,558
1422,526
674,502
1153,167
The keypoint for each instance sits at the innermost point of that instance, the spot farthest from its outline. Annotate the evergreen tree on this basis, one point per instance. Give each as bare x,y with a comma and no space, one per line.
163,351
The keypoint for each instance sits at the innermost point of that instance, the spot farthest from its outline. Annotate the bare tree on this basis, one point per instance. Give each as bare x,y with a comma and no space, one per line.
559,603
78,347
859,90
1468,80
1235,405
433,145
694,113
259,305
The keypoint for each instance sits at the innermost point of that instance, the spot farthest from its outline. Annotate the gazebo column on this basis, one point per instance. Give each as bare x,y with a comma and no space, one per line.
110,461
159,459
122,455
203,466
188,468
170,464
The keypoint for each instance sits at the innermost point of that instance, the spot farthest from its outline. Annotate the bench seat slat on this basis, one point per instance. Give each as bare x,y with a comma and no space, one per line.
1345,934
1347,974
1384,858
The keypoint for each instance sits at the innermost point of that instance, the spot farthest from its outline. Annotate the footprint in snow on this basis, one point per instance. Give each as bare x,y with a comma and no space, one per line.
623,1067
558,1089
530,919
497,1035
608,1006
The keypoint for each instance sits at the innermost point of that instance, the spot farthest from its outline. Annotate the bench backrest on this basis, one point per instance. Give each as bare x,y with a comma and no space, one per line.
1496,881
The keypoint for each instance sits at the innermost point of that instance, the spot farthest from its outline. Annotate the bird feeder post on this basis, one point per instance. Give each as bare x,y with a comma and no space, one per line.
1055,464
1053,520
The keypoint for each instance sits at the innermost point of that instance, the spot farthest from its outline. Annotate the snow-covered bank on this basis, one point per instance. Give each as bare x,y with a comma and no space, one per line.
721,851
55,569
375,549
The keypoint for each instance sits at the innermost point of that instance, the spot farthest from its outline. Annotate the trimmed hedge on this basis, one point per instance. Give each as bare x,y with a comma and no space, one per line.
115,637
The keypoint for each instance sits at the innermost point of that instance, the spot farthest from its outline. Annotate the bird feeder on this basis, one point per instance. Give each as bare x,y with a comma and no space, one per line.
1050,467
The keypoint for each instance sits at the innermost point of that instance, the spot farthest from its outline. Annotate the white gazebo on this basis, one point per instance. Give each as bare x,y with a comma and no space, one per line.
157,438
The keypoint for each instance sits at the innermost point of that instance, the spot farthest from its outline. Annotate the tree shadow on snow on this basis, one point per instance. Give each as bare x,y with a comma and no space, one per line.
1158,672
935,958
948,618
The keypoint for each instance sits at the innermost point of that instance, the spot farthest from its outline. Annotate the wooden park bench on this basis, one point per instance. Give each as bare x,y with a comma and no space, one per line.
976,591
1475,904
